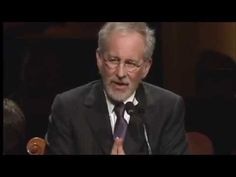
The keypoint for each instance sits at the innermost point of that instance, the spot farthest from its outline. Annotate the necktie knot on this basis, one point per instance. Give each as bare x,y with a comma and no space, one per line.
119,110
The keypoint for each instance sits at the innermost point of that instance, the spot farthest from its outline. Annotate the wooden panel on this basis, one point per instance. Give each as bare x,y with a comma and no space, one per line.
182,43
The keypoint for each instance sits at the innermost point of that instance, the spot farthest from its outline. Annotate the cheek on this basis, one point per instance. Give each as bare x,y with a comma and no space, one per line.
105,72
135,78
143,72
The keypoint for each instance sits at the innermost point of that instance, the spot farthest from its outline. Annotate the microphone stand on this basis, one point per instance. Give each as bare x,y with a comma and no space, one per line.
147,141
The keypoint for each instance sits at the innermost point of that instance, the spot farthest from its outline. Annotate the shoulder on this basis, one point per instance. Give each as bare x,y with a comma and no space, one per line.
158,91
156,94
78,93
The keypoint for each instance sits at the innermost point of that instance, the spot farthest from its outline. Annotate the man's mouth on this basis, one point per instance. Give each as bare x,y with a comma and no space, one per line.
120,85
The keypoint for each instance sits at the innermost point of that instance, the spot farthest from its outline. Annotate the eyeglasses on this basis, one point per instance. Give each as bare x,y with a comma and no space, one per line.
130,65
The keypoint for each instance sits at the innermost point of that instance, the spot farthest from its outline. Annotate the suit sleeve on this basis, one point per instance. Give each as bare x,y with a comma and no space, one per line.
174,137
59,135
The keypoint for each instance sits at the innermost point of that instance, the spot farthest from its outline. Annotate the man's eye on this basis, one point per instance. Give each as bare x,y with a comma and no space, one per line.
113,60
131,63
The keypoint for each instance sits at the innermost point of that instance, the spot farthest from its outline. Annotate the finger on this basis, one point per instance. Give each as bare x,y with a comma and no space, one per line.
120,150
114,149
117,147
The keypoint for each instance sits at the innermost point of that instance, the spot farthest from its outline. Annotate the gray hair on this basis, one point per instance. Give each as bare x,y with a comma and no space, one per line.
139,27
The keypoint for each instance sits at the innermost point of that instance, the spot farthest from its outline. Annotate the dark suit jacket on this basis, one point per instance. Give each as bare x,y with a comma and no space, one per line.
80,124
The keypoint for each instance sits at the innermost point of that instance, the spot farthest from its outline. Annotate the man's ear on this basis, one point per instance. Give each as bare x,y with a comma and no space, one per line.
146,68
99,59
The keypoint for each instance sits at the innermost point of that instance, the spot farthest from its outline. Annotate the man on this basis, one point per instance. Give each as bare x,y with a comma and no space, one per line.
83,120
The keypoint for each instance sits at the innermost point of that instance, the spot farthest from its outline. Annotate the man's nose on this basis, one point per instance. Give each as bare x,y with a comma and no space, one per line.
121,70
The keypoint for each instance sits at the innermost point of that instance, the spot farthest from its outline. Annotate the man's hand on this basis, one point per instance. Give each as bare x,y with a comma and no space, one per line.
117,148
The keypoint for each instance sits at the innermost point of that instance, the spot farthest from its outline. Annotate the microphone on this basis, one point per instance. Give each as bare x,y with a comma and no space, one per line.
131,110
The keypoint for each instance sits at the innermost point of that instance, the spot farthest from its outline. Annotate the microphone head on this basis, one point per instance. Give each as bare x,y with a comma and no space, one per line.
129,107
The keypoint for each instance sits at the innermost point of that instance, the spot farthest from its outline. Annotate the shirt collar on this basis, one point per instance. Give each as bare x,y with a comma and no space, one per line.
111,106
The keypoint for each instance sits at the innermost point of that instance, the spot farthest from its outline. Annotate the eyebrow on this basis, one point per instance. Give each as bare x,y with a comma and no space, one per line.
127,59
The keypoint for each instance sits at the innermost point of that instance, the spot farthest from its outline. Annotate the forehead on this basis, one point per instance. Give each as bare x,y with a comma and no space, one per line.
126,38
126,44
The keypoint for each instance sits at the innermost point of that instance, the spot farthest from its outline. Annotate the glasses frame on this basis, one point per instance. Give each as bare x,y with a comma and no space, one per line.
113,63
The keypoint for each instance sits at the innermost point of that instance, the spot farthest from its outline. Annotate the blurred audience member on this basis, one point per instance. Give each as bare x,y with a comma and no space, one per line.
14,128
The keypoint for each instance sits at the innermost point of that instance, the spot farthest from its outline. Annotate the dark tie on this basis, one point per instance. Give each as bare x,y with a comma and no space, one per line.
121,124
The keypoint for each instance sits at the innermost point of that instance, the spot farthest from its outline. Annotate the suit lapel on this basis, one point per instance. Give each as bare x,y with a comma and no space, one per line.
135,141
146,108
98,118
